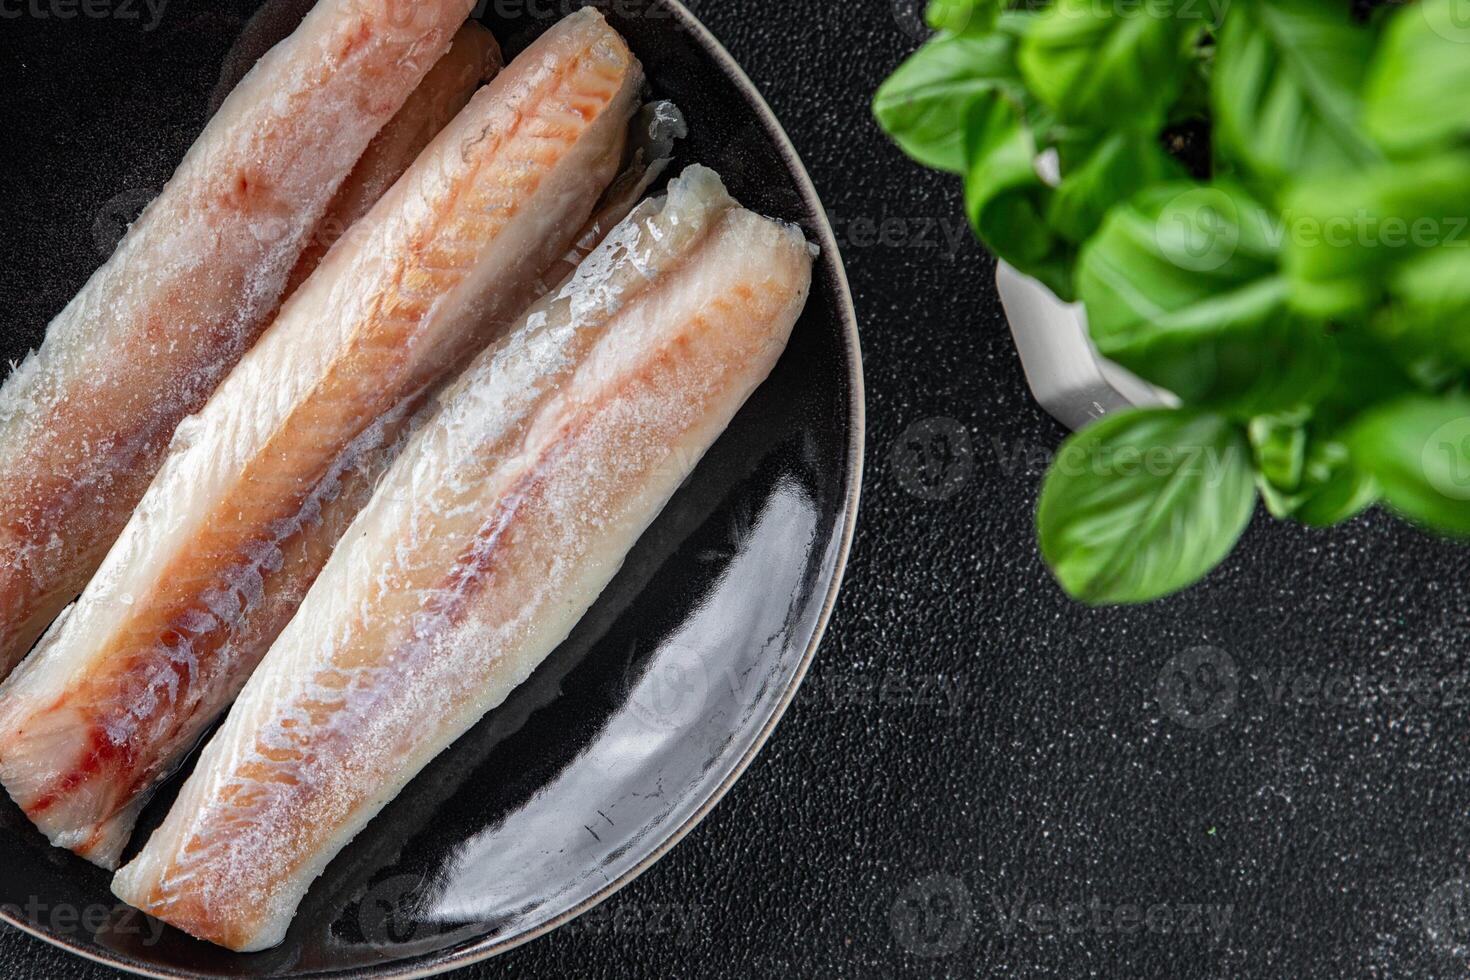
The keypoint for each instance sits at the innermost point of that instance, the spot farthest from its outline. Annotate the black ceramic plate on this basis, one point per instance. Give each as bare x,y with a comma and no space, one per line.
629,733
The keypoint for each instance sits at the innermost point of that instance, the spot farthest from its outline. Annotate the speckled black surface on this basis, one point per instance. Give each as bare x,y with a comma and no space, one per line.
967,737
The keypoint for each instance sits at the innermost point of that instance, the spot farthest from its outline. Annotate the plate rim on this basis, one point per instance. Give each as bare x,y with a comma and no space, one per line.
435,964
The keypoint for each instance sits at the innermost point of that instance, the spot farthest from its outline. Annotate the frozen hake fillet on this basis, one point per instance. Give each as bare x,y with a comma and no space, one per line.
472,60
260,484
86,420
488,539
655,131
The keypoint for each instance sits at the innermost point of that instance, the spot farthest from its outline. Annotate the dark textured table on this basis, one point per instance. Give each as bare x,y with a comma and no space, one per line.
1259,778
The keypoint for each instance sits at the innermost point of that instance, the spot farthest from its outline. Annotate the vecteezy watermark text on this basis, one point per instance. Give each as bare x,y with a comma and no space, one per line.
150,12
1204,227
909,14
557,9
1200,688
935,458
936,916
946,235
941,694
1098,917
675,922
65,919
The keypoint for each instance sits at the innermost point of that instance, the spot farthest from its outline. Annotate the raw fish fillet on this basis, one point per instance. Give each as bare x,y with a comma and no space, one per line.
473,59
487,540
260,485
655,131
86,420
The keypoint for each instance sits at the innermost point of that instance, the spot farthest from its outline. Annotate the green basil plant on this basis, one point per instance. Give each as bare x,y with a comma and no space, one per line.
1263,207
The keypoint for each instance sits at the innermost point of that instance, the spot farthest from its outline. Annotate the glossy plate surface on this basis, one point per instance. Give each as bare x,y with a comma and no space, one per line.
631,731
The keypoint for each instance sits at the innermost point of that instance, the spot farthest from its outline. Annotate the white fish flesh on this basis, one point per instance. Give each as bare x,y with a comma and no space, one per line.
472,60
86,420
485,543
260,485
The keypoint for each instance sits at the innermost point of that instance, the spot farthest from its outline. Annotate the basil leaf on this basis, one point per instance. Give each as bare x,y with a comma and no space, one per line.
1368,372
1348,232
1334,489
963,16
1305,476
923,105
1415,95
1181,287
1118,166
1005,197
1143,503
1431,305
1106,64
1418,449
1437,282
1279,442
1285,88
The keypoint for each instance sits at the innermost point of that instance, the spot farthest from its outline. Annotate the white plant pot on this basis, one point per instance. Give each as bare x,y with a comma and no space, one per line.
1067,375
